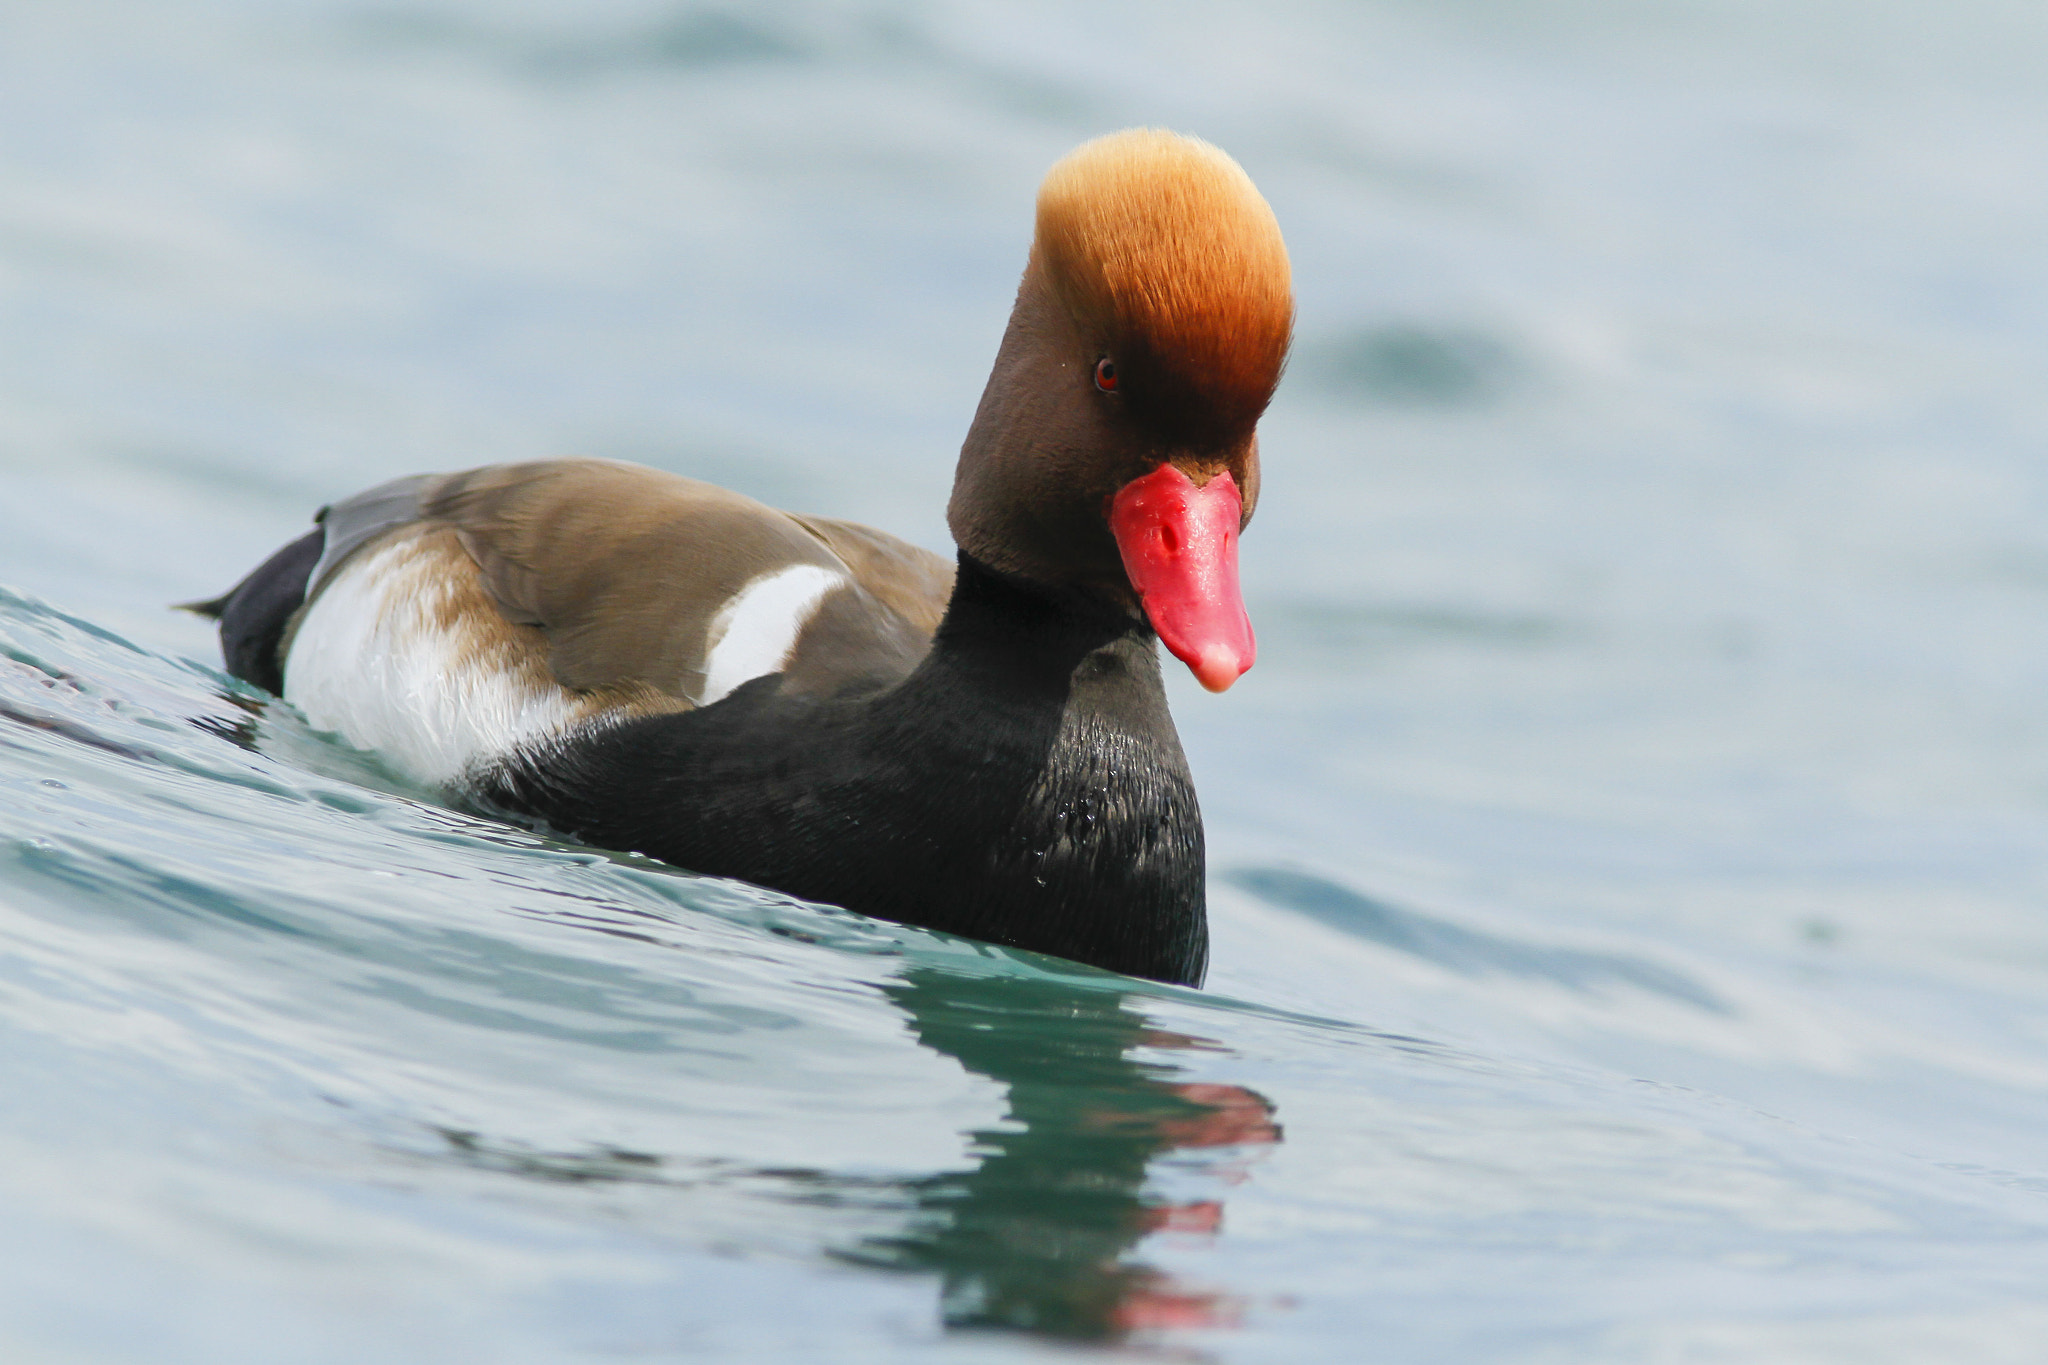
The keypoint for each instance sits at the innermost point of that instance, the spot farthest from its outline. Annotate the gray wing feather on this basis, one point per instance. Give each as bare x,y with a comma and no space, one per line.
354,522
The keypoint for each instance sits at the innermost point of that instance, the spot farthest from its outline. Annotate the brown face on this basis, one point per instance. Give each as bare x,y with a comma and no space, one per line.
1150,330
1051,446
1155,424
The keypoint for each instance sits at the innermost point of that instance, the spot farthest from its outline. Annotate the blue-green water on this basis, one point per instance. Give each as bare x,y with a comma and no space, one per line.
1630,856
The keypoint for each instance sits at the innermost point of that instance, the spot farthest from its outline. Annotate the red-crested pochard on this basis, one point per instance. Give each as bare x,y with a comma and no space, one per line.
659,665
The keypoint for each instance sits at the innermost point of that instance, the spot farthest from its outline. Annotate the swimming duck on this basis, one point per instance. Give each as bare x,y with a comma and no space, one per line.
659,665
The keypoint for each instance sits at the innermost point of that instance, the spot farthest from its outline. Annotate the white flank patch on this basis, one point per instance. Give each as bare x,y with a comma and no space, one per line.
369,663
753,632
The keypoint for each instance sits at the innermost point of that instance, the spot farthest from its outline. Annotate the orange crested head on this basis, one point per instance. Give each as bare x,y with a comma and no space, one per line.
1163,253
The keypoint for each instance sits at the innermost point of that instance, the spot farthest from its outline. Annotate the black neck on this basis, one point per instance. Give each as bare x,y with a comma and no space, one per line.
1024,785
1060,698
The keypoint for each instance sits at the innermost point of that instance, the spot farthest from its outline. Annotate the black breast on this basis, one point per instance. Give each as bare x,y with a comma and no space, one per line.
1023,786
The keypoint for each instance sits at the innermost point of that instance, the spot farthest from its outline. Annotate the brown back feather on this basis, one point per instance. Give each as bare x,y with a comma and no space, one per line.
625,567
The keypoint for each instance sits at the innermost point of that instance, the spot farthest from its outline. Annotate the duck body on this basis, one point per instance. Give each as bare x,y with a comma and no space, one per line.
657,665
1013,776
1023,785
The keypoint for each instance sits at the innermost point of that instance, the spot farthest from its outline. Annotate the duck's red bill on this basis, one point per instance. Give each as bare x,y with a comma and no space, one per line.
1179,545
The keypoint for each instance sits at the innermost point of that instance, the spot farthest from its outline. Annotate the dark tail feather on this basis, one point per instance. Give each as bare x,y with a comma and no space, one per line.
254,613
211,608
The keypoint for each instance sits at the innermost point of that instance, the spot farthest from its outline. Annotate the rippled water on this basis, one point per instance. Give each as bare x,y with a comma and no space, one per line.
1629,856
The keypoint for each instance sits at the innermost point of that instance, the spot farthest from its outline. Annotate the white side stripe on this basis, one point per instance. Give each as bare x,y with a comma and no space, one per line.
754,631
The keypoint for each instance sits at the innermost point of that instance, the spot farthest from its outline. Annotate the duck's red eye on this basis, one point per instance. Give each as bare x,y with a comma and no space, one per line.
1105,375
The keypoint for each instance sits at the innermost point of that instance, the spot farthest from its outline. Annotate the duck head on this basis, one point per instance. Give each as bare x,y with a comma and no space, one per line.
1115,450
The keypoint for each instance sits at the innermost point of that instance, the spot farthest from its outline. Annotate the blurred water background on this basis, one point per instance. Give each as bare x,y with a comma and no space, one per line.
1630,856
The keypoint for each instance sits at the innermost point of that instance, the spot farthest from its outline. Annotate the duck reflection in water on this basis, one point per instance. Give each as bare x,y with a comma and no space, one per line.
1035,1237
1038,1235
